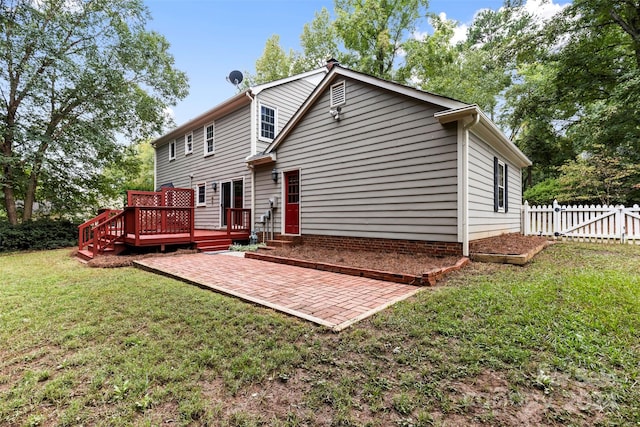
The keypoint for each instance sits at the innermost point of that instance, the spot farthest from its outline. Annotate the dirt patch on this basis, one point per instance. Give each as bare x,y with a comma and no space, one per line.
381,261
506,244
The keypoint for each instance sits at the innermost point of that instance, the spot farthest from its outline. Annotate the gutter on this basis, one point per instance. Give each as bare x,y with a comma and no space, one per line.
220,110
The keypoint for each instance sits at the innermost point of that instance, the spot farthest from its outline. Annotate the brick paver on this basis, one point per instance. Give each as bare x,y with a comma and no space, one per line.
330,299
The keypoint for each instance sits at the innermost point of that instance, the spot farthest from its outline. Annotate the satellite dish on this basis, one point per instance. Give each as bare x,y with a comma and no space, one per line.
235,77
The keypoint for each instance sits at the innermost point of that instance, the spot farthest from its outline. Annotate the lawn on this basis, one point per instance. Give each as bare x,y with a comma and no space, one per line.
553,343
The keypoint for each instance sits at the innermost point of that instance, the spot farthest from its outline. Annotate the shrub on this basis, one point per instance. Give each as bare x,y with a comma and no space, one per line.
37,235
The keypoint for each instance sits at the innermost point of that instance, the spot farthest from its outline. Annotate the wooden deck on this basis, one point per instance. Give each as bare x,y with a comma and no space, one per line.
158,219
218,239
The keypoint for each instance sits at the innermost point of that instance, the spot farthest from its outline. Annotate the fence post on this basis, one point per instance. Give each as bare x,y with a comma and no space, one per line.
556,218
526,220
619,224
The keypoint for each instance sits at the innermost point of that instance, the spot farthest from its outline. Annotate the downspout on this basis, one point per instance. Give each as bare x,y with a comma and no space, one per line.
465,182
155,168
253,152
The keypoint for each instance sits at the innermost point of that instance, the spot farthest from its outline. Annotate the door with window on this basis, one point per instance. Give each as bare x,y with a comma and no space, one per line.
292,202
231,196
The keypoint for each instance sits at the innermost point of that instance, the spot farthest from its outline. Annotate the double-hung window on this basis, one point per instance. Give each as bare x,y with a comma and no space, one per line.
172,150
188,143
201,194
500,186
209,139
268,118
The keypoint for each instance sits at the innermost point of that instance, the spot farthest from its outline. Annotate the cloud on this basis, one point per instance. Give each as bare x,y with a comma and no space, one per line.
543,10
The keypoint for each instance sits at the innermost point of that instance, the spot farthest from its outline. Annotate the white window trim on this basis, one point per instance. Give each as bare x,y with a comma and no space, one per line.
275,122
172,156
501,185
205,146
344,94
198,186
186,143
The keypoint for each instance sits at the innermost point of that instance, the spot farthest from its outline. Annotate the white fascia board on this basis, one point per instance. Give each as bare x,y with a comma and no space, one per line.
220,110
488,131
336,71
259,88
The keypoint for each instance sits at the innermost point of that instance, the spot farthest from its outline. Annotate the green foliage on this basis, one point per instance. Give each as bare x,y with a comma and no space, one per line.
374,33
543,193
274,64
598,177
37,235
80,77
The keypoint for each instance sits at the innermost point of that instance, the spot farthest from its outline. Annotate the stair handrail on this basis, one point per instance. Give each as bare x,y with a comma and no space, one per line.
85,230
100,242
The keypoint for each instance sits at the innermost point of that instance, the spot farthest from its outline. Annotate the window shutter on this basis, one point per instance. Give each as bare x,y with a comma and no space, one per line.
496,200
506,188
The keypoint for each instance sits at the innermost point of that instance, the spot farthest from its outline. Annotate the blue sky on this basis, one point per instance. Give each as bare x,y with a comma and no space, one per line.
210,38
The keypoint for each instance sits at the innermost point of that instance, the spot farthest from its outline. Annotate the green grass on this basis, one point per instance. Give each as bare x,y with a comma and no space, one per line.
554,343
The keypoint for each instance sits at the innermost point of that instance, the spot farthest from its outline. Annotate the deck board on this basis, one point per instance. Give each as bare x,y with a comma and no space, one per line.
184,238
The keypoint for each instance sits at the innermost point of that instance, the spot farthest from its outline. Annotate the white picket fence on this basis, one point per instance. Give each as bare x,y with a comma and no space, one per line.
583,223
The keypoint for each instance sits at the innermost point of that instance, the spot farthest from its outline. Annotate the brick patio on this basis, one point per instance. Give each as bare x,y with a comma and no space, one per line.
329,299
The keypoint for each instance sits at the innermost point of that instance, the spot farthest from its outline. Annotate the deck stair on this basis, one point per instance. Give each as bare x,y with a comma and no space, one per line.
213,245
158,219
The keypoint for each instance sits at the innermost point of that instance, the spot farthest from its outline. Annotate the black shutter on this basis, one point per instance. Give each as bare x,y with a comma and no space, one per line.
496,200
506,188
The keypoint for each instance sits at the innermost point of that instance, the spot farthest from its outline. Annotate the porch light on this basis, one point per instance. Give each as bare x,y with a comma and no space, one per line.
274,175
214,186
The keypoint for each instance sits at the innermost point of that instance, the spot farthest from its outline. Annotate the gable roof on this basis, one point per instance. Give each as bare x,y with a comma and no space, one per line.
456,110
337,71
243,98
259,88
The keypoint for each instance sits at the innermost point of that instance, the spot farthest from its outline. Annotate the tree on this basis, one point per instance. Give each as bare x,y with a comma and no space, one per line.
274,64
77,77
374,33
319,41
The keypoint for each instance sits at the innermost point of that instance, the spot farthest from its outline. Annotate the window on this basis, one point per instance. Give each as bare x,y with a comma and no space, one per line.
267,123
500,186
172,150
338,94
209,139
201,193
188,143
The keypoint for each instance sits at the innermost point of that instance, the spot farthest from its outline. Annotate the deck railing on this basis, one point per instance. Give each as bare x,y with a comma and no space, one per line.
108,232
154,220
238,220
86,230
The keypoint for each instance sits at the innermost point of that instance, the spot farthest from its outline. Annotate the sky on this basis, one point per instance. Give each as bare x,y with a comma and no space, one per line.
210,38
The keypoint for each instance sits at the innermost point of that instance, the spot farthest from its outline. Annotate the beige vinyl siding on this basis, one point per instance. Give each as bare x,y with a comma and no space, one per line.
286,99
483,221
233,145
387,169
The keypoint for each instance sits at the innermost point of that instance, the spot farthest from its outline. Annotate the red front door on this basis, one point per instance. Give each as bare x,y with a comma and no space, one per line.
292,202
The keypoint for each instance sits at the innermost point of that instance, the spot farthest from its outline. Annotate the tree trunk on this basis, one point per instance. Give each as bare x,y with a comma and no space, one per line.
10,200
7,170
30,197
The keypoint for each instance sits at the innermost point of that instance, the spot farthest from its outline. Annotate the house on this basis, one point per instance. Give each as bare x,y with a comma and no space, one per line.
208,153
333,158
205,192
367,163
